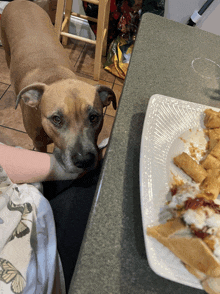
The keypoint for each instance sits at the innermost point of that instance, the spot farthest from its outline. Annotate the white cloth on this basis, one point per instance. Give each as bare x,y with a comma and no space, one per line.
29,261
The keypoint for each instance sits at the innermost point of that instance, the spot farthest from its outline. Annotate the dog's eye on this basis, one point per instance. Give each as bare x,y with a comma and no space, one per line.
94,118
57,120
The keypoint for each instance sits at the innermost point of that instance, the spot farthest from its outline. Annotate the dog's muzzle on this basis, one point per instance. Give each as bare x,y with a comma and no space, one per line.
84,161
73,161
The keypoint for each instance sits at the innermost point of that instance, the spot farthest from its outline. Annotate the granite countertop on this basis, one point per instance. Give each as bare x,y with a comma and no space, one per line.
113,257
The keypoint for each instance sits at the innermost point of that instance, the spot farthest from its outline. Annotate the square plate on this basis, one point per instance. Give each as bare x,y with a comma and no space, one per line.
171,126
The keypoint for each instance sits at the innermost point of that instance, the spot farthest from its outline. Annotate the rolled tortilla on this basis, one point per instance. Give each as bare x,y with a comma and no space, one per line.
211,162
215,173
190,167
211,285
201,276
216,151
191,250
214,137
210,185
212,119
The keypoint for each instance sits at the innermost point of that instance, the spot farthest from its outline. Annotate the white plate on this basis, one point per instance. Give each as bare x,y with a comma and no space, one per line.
170,126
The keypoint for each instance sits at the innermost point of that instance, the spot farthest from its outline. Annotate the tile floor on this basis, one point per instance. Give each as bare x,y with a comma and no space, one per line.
12,131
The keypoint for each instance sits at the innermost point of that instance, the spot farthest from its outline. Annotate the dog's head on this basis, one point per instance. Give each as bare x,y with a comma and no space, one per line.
72,116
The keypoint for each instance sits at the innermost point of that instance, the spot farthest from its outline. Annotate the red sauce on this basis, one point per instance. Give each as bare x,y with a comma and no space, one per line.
196,203
200,233
173,190
199,202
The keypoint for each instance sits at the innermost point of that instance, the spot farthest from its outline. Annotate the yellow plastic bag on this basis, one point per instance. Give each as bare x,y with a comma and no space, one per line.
118,57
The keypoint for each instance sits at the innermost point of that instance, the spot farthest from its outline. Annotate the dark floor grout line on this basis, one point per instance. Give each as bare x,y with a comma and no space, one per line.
5,91
104,113
13,129
80,54
112,116
84,75
5,83
115,83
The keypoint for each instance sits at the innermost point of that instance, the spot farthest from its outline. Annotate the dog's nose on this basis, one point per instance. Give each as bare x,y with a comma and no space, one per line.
84,161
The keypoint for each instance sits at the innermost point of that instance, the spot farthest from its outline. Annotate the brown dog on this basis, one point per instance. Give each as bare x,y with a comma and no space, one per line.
56,107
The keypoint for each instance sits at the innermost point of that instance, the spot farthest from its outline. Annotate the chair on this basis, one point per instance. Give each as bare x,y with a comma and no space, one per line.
62,28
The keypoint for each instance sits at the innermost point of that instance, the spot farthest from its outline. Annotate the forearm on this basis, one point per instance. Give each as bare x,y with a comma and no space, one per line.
26,166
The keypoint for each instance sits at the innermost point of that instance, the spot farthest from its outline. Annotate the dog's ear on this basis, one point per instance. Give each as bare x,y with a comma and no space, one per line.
31,94
106,95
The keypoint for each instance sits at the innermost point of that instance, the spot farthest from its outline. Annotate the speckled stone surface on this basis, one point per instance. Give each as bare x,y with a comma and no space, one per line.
112,258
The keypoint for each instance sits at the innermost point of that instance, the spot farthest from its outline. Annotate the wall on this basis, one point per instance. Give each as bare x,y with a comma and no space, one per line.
181,10
80,27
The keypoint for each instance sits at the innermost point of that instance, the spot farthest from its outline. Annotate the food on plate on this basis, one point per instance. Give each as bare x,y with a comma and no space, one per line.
214,137
212,160
215,173
190,167
212,119
210,187
175,236
193,232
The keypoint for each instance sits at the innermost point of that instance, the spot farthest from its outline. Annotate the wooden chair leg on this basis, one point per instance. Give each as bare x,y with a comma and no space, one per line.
68,10
106,24
59,16
102,29
99,39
